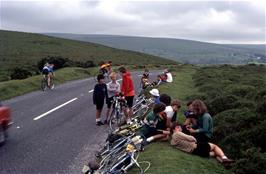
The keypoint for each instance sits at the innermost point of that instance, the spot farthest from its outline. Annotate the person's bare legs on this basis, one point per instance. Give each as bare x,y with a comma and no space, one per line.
49,81
108,114
98,114
217,152
130,113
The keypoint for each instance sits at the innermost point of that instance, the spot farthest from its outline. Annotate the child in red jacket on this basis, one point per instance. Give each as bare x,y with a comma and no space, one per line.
127,88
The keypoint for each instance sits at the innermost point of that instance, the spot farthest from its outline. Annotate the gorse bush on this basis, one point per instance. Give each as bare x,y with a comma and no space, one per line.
236,98
20,73
61,62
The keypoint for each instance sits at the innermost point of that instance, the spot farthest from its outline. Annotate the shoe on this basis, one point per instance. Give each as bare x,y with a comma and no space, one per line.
227,160
99,123
105,122
227,163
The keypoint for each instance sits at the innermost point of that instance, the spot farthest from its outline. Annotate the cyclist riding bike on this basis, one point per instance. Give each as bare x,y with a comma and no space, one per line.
104,69
48,73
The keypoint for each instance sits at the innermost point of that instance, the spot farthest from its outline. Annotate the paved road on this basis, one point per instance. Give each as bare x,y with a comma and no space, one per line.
53,131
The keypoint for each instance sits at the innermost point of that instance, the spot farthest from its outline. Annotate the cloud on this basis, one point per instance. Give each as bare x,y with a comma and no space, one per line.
216,21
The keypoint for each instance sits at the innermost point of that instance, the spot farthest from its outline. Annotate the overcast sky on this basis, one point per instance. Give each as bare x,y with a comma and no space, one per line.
211,21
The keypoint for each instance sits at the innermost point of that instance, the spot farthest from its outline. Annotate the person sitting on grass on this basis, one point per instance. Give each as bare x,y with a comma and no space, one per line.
99,94
189,144
155,95
149,130
171,111
191,118
169,77
203,130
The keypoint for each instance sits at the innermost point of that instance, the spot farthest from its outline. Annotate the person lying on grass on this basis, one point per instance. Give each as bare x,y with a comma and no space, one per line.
152,121
189,144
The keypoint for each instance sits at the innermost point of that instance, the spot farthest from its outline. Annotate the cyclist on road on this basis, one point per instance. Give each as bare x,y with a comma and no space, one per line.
106,68
48,72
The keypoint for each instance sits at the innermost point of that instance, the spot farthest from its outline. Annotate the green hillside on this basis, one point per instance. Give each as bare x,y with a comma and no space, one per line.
19,49
236,99
186,51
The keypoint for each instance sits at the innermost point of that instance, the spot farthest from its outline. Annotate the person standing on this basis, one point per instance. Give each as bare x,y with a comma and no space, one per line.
113,89
99,95
127,89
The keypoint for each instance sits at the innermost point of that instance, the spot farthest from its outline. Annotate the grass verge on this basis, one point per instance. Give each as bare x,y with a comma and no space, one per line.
15,88
165,159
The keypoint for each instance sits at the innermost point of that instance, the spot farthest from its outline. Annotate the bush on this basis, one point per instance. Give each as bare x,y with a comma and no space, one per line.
60,62
232,121
254,162
20,73
241,90
221,103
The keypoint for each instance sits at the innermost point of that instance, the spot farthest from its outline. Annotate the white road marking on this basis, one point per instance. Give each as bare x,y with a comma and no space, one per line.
119,80
52,110
139,75
91,91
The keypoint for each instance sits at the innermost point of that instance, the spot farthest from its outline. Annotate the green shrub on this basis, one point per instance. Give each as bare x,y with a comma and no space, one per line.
254,162
20,73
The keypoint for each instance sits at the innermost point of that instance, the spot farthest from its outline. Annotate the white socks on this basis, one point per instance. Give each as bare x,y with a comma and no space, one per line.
150,139
98,119
224,157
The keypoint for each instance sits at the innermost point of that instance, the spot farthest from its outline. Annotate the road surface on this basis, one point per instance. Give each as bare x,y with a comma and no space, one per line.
54,131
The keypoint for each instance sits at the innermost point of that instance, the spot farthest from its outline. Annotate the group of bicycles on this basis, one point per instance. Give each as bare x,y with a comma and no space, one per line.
123,144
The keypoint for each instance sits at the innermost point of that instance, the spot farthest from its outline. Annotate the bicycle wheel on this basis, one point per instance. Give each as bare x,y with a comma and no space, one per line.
115,120
44,84
142,110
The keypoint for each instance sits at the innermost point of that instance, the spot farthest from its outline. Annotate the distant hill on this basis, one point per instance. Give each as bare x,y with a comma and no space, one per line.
185,51
18,49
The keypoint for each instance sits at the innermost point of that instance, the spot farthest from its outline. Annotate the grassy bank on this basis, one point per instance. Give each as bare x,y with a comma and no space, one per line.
15,88
236,99
25,50
165,159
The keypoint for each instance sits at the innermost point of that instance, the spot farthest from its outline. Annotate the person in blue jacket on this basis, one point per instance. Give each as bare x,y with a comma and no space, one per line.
99,95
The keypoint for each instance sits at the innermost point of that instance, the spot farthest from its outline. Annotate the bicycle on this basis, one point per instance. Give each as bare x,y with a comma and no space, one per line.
44,83
142,106
120,158
117,114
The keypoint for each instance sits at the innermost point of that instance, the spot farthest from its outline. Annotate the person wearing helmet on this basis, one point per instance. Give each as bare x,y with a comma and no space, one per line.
48,72
155,95
144,81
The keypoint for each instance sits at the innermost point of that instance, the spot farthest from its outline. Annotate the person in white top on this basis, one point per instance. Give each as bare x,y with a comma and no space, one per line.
171,111
113,88
169,77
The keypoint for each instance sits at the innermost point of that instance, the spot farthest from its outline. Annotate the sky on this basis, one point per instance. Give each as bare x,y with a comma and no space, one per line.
210,21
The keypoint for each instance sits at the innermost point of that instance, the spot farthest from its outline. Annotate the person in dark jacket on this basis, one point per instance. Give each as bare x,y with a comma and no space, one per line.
99,94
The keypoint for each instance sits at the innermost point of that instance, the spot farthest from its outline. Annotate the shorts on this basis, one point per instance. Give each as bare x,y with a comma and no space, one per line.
45,71
129,100
148,131
109,102
203,149
99,105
